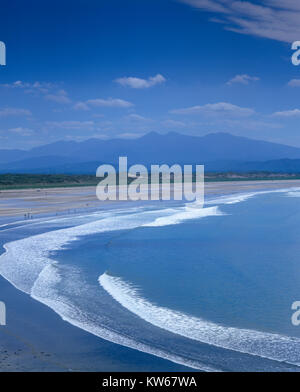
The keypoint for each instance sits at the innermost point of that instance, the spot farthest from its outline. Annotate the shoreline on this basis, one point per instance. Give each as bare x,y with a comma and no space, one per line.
36,338
27,203
209,178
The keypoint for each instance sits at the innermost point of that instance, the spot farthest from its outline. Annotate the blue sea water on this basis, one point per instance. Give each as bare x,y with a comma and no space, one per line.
210,288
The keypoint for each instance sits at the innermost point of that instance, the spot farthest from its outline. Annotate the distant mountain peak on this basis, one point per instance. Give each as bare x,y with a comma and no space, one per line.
152,148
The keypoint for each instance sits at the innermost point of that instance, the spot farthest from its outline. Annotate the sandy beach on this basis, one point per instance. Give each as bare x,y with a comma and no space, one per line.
68,200
35,337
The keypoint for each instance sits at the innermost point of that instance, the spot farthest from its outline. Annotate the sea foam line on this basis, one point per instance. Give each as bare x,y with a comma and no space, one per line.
28,265
266,345
293,193
187,214
24,259
240,197
44,292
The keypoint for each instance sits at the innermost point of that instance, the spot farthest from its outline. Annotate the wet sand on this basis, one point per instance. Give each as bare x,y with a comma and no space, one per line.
64,200
35,337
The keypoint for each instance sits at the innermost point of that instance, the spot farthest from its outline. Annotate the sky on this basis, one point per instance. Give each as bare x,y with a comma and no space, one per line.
78,69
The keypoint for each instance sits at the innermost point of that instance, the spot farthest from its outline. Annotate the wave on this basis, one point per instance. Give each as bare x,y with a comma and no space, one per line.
293,194
240,197
29,265
266,345
233,199
186,214
44,291
24,259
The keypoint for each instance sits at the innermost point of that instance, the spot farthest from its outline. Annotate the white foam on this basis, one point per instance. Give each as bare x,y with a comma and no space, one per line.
24,259
186,213
232,199
293,194
240,197
28,265
267,345
44,291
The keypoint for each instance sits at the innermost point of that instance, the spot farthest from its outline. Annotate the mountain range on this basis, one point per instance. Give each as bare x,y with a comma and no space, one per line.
218,151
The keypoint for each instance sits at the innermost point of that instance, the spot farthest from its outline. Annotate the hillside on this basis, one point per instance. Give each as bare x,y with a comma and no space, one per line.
218,151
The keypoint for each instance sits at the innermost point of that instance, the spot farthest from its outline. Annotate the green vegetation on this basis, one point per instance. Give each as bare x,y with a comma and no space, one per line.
23,181
254,176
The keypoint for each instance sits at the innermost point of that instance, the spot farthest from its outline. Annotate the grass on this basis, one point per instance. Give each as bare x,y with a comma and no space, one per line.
23,181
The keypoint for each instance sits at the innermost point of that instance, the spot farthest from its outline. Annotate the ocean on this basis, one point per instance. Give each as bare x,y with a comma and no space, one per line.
207,288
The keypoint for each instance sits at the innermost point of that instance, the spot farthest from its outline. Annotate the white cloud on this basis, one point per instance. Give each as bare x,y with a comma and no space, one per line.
292,5
110,102
42,87
129,135
288,113
249,124
134,82
60,97
216,108
294,83
242,79
173,124
137,117
76,125
81,106
273,19
21,131
50,91
85,126
14,112
99,102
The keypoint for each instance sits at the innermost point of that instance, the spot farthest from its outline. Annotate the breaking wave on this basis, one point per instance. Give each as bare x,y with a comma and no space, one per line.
272,346
29,265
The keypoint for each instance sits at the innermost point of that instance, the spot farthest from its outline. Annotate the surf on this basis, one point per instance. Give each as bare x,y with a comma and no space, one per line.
30,266
266,345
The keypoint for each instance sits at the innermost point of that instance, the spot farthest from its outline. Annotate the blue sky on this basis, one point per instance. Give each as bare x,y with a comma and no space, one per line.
122,68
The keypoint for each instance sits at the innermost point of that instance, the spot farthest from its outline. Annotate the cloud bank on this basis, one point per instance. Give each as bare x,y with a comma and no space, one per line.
273,19
216,108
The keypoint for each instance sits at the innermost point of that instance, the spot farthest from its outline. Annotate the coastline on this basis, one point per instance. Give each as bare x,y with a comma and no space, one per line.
55,201
36,338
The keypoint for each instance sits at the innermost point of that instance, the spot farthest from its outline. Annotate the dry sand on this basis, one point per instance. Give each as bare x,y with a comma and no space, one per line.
58,200
25,341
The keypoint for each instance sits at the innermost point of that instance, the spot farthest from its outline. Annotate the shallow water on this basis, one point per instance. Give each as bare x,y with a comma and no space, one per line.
209,288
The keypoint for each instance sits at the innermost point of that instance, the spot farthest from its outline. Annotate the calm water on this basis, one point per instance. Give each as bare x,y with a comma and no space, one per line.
208,288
